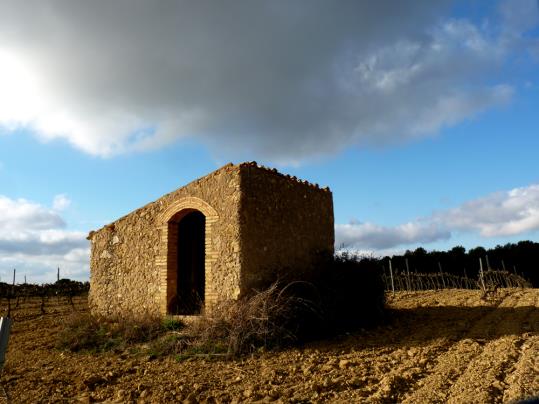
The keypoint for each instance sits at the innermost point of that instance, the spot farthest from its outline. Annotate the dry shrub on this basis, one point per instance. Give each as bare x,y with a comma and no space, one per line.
266,319
80,332
84,332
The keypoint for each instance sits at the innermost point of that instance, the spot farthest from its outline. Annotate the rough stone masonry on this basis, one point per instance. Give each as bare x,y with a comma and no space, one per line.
237,229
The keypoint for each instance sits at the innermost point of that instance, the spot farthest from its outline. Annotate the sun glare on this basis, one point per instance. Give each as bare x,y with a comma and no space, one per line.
20,92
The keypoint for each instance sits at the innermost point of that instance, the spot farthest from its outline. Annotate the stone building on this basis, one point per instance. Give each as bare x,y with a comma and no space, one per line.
237,229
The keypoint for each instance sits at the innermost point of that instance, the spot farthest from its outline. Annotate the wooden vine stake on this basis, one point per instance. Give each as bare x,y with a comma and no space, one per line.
482,275
391,276
441,274
408,283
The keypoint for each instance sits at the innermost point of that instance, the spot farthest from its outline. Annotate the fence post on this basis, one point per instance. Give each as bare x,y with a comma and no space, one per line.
5,326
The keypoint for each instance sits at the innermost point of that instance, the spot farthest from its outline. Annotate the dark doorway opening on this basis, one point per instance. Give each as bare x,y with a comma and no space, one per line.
190,263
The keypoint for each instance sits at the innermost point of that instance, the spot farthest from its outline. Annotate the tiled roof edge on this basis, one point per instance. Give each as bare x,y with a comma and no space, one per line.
276,172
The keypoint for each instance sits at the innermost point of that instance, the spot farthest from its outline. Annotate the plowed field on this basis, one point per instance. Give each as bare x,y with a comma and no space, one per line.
439,347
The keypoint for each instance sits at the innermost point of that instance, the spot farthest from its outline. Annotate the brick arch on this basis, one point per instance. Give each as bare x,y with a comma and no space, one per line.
188,203
166,259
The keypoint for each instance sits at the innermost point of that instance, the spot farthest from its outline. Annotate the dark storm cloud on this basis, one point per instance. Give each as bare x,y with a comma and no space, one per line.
279,79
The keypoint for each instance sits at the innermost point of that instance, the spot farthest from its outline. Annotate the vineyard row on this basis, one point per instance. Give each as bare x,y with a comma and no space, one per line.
63,288
413,281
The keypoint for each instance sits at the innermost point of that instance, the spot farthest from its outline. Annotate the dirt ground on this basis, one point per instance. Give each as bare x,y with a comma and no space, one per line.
439,347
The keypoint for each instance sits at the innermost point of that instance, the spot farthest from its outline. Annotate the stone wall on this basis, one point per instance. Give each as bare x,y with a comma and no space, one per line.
260,225
286,227
132,267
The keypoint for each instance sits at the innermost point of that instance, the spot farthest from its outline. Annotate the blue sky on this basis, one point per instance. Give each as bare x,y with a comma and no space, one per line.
421,118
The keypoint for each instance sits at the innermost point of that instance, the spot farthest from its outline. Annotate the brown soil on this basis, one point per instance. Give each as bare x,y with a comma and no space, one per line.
439,347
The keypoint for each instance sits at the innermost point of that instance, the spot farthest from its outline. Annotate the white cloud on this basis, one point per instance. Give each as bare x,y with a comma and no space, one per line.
33,239
282,80
42,268
505,213
17,214
372,236
61,202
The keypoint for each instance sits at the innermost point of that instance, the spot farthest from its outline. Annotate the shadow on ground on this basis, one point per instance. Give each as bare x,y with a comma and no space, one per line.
420,326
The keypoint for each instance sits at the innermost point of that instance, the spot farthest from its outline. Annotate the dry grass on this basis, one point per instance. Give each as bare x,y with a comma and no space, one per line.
84,332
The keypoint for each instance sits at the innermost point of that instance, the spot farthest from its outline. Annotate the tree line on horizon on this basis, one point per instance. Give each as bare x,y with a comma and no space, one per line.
521,258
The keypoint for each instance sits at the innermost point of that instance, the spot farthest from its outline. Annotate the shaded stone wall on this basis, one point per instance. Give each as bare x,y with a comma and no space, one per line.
286,227
132,273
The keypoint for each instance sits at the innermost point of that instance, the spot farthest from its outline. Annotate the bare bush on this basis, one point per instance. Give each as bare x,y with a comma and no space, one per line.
266,319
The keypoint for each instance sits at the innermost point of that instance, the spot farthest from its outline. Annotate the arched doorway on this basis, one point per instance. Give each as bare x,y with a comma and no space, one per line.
167,260
189,231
